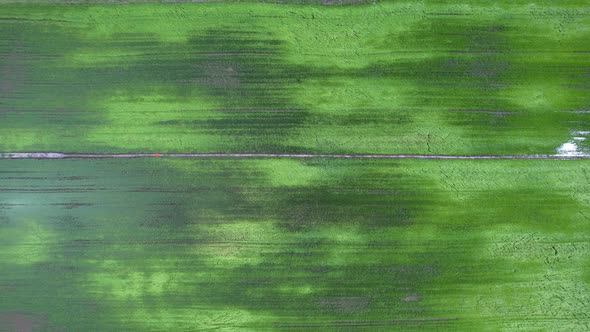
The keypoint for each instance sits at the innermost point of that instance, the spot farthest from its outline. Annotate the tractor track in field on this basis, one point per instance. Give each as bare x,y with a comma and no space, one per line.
58,155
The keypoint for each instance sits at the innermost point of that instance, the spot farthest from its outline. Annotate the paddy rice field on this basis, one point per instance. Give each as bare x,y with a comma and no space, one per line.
276,242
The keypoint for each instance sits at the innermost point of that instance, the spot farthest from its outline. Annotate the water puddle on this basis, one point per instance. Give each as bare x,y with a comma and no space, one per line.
573,147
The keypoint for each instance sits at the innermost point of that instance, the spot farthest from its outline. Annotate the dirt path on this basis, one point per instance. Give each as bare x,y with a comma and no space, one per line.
57,155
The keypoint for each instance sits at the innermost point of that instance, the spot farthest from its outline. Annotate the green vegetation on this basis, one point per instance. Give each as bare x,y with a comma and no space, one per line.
275,244
393,77
282,244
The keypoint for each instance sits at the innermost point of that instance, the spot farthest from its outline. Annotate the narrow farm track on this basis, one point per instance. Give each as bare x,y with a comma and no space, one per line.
57,155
